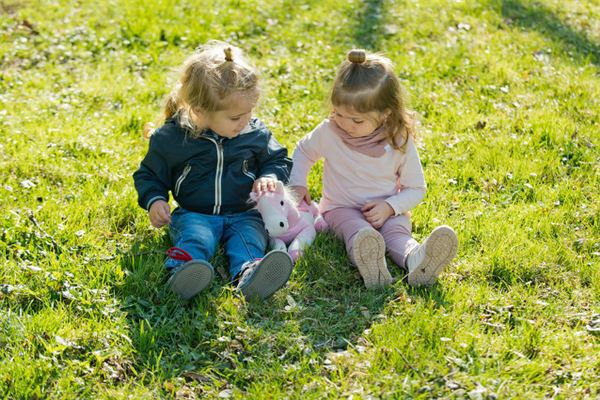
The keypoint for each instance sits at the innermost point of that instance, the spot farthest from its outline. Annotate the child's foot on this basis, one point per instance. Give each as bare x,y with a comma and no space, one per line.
265,276
191,278
427,261
368,252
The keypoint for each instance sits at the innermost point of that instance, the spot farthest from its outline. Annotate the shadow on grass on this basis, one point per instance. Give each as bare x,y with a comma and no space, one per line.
539,18
326,299
435,294
369,30
229,341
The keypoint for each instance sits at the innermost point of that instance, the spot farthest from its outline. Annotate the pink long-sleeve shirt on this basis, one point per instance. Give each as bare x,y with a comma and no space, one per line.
352,179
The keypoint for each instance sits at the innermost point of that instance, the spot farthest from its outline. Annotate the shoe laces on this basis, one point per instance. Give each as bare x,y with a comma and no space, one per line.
249,267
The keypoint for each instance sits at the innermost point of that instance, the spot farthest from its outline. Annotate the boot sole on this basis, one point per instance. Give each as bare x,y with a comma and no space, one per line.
369,256
274,272
191,278
442,246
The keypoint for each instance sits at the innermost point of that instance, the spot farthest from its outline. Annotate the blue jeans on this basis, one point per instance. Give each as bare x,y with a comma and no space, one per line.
243,236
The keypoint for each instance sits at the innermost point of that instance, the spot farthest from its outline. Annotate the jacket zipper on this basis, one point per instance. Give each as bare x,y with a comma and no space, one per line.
218,177
181,178
218,174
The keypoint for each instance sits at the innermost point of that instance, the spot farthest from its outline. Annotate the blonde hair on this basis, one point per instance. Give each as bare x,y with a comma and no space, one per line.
366,83
208,76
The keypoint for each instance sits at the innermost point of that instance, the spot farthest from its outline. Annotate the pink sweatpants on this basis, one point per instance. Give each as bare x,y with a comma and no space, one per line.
396,231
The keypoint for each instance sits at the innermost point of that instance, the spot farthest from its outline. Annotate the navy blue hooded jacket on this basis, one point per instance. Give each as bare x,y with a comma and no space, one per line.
209,174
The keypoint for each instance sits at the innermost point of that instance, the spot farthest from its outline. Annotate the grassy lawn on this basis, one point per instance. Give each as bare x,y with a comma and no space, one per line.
508,94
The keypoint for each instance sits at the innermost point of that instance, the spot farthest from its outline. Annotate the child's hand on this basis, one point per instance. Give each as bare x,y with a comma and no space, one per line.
302,193
159,213
264,184
377,212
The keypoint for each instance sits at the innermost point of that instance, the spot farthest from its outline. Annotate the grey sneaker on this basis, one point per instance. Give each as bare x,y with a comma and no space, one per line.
191,278
267,275
427,261
368,253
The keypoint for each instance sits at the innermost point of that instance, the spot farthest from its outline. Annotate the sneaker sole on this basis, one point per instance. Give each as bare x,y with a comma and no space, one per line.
191,279
369,256
274,271
442,246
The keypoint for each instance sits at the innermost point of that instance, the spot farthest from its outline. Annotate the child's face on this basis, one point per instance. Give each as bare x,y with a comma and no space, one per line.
232,120
357,124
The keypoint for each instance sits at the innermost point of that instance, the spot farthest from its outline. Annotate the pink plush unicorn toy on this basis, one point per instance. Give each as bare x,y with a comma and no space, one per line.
289,227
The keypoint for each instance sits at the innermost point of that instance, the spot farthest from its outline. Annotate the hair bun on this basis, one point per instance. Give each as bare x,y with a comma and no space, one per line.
228,54
357,56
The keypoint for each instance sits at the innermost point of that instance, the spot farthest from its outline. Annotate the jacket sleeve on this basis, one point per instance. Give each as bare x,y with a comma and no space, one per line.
273,160
153,178
411,181
308,151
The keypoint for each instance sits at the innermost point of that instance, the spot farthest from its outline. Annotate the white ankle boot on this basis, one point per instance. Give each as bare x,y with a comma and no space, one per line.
426,261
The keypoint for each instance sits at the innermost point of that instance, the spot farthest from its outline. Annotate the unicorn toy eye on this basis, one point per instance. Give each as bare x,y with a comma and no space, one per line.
281,203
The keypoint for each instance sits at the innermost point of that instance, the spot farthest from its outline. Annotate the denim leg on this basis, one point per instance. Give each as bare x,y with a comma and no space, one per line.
198,234
244,240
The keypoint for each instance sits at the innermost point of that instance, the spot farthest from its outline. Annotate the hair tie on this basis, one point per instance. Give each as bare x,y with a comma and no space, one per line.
357,56
228,54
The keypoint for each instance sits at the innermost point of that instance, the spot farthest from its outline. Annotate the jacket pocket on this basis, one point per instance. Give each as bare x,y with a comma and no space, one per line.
181,178
246,171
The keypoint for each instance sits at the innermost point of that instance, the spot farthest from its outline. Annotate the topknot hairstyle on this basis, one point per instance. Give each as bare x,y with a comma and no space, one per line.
228,54
357,56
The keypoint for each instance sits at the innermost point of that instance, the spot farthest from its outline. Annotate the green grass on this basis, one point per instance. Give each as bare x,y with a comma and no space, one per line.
509,96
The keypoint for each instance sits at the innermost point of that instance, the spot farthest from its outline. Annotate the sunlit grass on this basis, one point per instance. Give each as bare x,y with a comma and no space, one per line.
508,96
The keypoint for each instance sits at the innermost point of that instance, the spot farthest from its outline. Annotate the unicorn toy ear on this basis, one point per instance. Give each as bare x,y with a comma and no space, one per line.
279,187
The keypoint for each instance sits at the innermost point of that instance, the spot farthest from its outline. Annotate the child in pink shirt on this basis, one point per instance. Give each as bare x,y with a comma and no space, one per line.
372,175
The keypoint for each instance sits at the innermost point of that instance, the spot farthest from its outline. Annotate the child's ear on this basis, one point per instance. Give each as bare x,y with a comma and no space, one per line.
200,118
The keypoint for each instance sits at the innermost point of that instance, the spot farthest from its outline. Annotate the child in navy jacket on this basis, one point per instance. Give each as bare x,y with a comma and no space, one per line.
210,154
